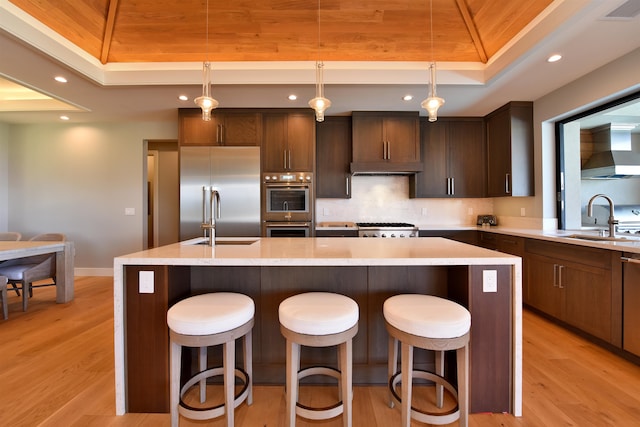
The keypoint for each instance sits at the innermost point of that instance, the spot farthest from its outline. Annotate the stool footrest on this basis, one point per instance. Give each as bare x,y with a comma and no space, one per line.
438,418
319,413
209,412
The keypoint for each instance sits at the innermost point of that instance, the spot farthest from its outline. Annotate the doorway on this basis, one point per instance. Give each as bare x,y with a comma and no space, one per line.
162,193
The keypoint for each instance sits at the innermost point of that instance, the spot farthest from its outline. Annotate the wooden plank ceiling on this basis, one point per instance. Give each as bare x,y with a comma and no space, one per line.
286,30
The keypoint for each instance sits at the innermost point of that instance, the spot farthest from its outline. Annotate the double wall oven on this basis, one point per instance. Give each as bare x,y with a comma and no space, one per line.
287,204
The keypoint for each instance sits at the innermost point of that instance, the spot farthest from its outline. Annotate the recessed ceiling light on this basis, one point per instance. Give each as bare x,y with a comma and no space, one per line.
183,98
293,97
64,117
407,97
60,79
554,58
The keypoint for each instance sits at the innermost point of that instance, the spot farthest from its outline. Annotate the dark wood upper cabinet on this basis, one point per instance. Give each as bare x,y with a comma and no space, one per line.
289,141
333,157
226,127
385,142
510,150
453,153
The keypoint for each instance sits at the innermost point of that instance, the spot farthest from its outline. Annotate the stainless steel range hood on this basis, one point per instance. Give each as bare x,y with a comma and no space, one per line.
613,156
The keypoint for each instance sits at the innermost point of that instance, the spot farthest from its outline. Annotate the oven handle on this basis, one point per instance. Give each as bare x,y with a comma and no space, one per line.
287,224
302,185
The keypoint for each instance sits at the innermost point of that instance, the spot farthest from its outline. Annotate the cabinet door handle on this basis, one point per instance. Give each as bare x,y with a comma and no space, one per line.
284,159
555,275
506,183
448,186
560,285
388,150
384,150
219,134
347,179
453,186
289,158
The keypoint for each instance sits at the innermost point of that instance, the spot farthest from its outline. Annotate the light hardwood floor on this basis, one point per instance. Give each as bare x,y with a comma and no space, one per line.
57,370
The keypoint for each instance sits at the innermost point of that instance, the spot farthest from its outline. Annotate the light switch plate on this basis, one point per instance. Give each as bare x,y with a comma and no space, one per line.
145,282
489,281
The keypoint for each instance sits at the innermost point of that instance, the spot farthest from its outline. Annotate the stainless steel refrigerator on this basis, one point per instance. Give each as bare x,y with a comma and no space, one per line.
235,173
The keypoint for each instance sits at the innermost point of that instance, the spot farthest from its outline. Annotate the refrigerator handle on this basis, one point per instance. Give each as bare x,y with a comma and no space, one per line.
204,204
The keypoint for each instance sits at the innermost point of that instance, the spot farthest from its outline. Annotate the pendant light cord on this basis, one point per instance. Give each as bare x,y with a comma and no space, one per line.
431,27
318,30
207,32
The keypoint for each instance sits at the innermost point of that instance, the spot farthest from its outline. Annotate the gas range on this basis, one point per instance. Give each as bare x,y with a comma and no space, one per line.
386,229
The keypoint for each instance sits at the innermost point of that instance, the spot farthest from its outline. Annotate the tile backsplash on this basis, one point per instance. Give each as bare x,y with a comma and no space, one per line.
386,199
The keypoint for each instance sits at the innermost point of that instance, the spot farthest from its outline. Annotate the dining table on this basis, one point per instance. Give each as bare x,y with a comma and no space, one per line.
64,252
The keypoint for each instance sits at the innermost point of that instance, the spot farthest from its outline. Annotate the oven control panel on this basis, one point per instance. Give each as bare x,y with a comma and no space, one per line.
301,177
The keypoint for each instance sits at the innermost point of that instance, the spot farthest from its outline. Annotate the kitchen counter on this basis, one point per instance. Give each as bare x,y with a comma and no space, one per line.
271,269
628,244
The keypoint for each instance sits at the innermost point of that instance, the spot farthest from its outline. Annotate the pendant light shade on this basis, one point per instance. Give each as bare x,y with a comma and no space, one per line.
206,102
433,102
319,103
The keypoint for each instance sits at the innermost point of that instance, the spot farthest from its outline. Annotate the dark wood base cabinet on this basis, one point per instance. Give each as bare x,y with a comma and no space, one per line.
146,333
578,285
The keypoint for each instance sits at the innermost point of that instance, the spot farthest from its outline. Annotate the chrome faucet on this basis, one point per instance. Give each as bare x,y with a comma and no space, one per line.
214,199
612,221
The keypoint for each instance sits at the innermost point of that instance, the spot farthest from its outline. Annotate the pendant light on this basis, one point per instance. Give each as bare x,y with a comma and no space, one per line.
206,102
433,102
319,103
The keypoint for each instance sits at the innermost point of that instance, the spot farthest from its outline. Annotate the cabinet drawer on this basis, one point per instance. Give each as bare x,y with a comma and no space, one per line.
594,257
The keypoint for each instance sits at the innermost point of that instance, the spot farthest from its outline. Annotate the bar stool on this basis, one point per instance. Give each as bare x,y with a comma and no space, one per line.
207,320
319,319
430,323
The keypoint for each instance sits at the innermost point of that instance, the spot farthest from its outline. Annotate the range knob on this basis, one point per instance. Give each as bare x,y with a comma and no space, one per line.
392,235
383,235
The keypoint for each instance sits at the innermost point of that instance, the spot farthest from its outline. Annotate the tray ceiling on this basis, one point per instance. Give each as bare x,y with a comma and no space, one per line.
116,31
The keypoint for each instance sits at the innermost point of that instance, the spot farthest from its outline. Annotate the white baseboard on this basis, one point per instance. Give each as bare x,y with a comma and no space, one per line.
93,271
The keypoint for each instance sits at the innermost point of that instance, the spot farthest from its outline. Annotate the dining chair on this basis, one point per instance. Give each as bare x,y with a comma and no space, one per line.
12,236
3,295
25,271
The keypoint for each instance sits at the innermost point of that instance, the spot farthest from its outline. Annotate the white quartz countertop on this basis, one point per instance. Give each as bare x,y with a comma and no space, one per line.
624,244
335,251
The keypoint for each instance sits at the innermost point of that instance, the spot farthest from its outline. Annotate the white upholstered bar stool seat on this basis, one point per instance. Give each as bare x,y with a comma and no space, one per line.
207,320
319,319
431,323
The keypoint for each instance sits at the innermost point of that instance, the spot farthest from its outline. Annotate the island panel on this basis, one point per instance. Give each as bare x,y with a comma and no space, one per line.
147,332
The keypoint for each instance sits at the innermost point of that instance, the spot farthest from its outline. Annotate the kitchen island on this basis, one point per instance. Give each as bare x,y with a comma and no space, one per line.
269,270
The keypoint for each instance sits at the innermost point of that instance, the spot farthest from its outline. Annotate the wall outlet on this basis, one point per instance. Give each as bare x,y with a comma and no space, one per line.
470,211
424,211
326,211
489,281
129,211
523,212
145,282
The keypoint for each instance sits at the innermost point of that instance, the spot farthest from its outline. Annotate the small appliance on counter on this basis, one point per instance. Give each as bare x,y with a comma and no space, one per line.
486,220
